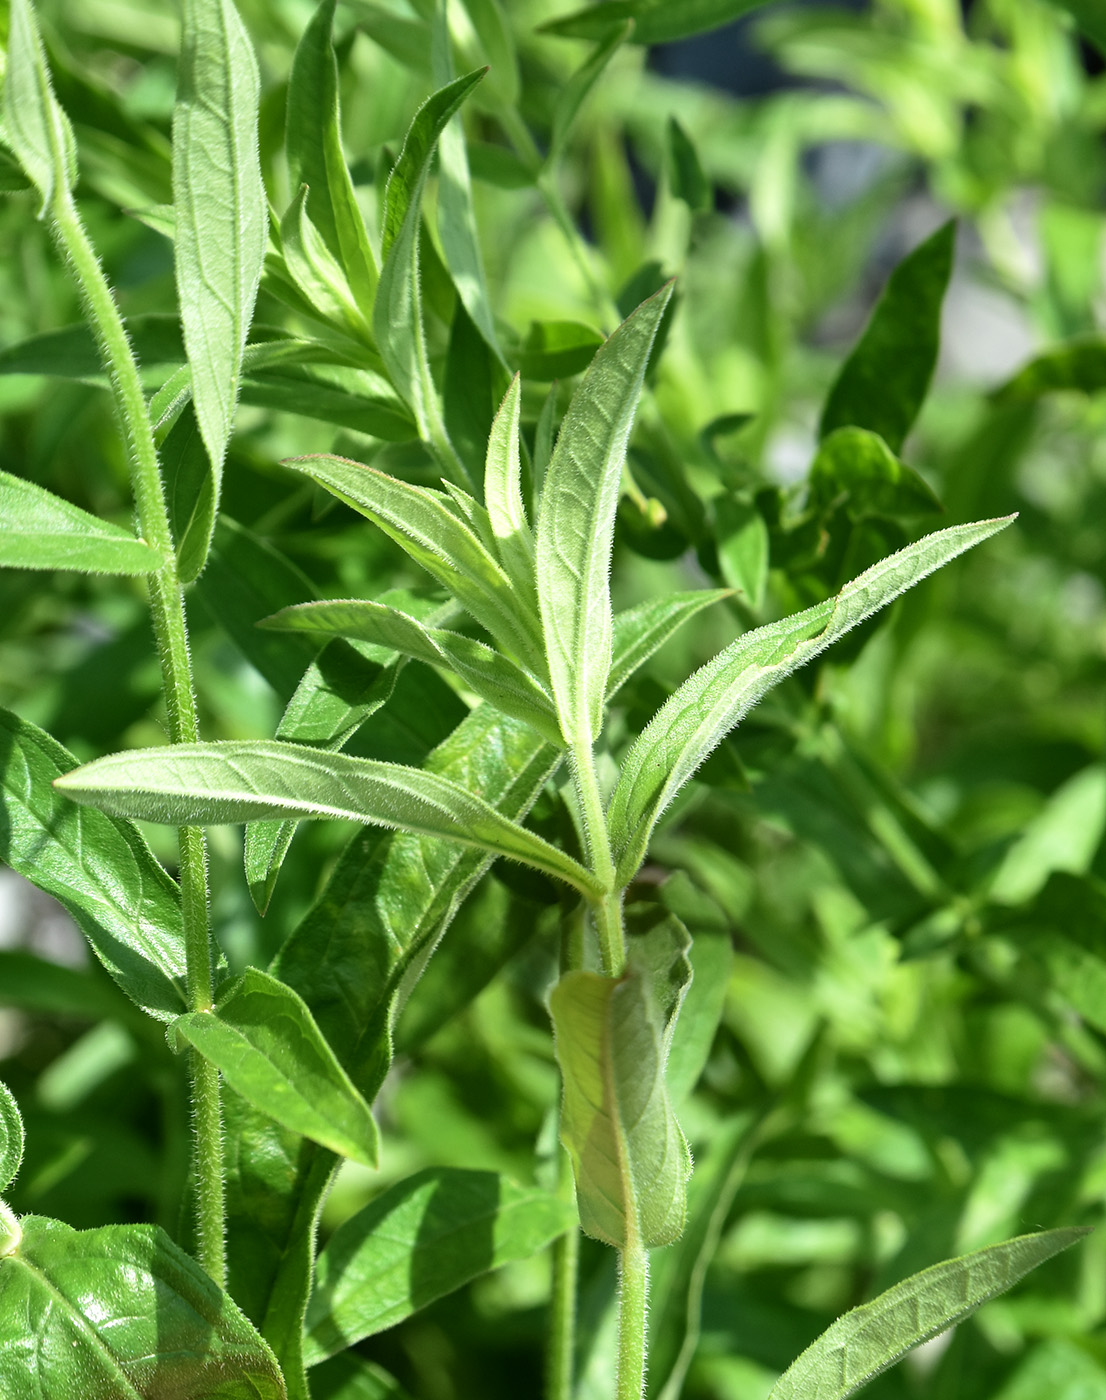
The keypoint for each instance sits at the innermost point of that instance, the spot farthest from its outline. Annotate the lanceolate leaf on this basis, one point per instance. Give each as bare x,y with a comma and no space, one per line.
695,719
269,1049
491,676
423,523
39,530
313,143
629,1156
874,1336
641,630
36,127
11,1137
576,526
578,87
202,784
100,869
883,383
122,1313
317,273
655,21
503,493
420,1240
220,207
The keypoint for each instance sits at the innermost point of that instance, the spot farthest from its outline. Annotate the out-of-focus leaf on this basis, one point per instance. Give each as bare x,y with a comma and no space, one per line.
220,208
100,869
655,21
1090,19
348,1377
685,174
36,127
39,530
856,469
576,90
268,1048
575,534
11,1137
741,537
641,630
870,1338
1064,835
159,1329
1079,365
203,784
556,349
72,352
695,719
420,1240
883,383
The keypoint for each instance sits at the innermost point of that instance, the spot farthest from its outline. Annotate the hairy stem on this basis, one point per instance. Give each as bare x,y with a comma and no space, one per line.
633,1293
562,1310
171,634
607,910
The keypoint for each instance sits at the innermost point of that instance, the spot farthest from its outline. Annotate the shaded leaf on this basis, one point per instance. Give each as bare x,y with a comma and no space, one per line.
268,1048
655,21
100,869
883,383
39,530
685,174
1089,18
697,717
641,630
420,1240
741,537
159,1328
190,493
556,349
870,1338
72,352
317,273
1079,365
855,469
348,1377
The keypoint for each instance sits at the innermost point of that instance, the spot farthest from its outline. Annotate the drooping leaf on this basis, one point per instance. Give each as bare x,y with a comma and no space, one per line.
268,1048
421,522
628,1154
641,630
695,719
655,21
397,310
36,127
100,869
11,1137
503,493
220,208
870,1338
575,533
122,1313
883,383
420,1240
493,677
313,143
203,784
39,530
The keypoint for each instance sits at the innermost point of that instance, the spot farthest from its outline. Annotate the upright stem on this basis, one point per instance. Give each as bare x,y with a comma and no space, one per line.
633,1292
607,911
562,1311
171,634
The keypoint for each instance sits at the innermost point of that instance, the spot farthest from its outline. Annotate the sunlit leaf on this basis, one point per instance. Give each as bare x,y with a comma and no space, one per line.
39,530
36,127
503,493
11,1137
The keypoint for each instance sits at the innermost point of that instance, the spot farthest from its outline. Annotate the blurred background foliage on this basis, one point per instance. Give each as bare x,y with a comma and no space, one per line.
895,870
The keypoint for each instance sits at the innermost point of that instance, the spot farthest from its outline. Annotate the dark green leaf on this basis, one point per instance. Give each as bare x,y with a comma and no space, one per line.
122,1313
39,530
741,537
191,493
883,383
685,174
11,1137
1079,365
655,21
268,1048
100,869
420,1240
72,352
557,349
1089,17
856,470
347,1377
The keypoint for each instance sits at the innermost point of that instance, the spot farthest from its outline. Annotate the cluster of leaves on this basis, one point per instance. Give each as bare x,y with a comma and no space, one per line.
865,967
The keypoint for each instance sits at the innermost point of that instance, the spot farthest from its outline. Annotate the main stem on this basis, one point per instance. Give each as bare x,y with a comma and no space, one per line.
607,911
171,634
633,1293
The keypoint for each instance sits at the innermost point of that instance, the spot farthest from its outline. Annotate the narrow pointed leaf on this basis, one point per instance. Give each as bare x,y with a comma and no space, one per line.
122,1313
11,1137
420,1240
39,530
503,493
397,310
628,1154
203,784
422,523
580,85
883,383
576,526
641,630
191,488
685,174
870,1338
697,717
100,869
317,273
220,207
36,127
268,1048
493,677
655,21
313,142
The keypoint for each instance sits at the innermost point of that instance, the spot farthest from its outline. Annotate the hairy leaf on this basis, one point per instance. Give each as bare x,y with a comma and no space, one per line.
39,530
576,526
697,717
122,1313
99,868
503,494
420,1240
870,1338
220,208
883,383
317,273
199,784
11,1137
268,1048
36,127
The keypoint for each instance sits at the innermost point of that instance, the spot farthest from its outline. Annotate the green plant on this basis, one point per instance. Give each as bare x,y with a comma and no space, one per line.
395,340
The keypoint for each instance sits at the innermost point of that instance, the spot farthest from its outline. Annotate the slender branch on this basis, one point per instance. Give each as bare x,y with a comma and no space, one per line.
171,634
633,1293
